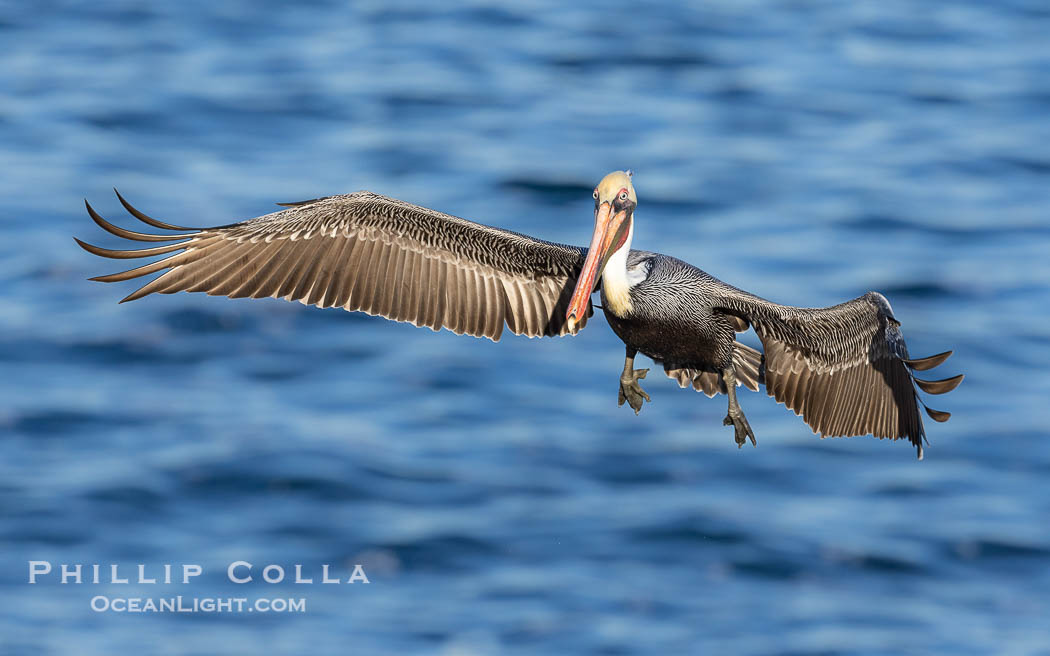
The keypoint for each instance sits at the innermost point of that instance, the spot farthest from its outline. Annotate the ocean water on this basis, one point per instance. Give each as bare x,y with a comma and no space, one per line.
495,495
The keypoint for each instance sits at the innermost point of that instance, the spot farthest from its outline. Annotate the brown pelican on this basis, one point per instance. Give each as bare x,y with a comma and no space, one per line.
845,369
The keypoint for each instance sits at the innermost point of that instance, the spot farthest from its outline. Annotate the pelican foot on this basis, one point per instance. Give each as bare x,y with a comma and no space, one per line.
631,391
740,426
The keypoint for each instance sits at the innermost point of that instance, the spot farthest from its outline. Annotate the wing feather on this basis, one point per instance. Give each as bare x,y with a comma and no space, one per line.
229,277
248,284
844,369
746,361
359,267
438,296
366,252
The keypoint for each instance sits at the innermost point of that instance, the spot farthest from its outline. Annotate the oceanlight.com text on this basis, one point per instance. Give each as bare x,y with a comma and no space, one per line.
182,604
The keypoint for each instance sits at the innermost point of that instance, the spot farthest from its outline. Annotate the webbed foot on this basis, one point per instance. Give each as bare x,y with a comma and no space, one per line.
631,391
741,428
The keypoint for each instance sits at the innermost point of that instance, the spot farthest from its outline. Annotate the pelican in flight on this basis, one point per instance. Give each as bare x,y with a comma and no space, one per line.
845,369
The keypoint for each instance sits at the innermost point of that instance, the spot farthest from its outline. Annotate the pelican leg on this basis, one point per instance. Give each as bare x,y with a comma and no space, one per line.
735,417
630,390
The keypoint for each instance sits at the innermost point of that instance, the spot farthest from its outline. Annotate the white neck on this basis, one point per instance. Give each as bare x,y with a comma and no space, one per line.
614,278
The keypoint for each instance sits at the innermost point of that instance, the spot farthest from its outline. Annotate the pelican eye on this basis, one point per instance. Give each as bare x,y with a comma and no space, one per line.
595,194
623,195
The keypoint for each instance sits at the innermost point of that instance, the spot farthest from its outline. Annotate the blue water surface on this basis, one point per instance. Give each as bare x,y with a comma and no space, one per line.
498,499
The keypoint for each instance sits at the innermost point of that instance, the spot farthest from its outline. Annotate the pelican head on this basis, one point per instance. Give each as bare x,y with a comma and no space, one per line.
614,203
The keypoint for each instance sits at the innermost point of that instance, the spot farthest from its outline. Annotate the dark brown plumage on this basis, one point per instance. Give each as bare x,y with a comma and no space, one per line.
845,369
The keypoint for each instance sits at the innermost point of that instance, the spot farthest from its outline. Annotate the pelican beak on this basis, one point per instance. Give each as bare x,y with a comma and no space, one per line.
610,234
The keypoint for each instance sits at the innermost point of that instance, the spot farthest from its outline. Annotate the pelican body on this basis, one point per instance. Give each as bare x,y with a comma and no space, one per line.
845,369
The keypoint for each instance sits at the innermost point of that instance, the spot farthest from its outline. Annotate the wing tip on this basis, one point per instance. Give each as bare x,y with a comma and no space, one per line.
137,294
91,212
148,219
942,386
940,416
929,362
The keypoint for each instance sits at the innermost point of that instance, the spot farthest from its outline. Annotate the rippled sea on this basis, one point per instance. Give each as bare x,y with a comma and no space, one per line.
497,498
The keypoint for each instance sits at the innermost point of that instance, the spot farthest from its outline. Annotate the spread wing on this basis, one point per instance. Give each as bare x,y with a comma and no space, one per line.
845,369
366,252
